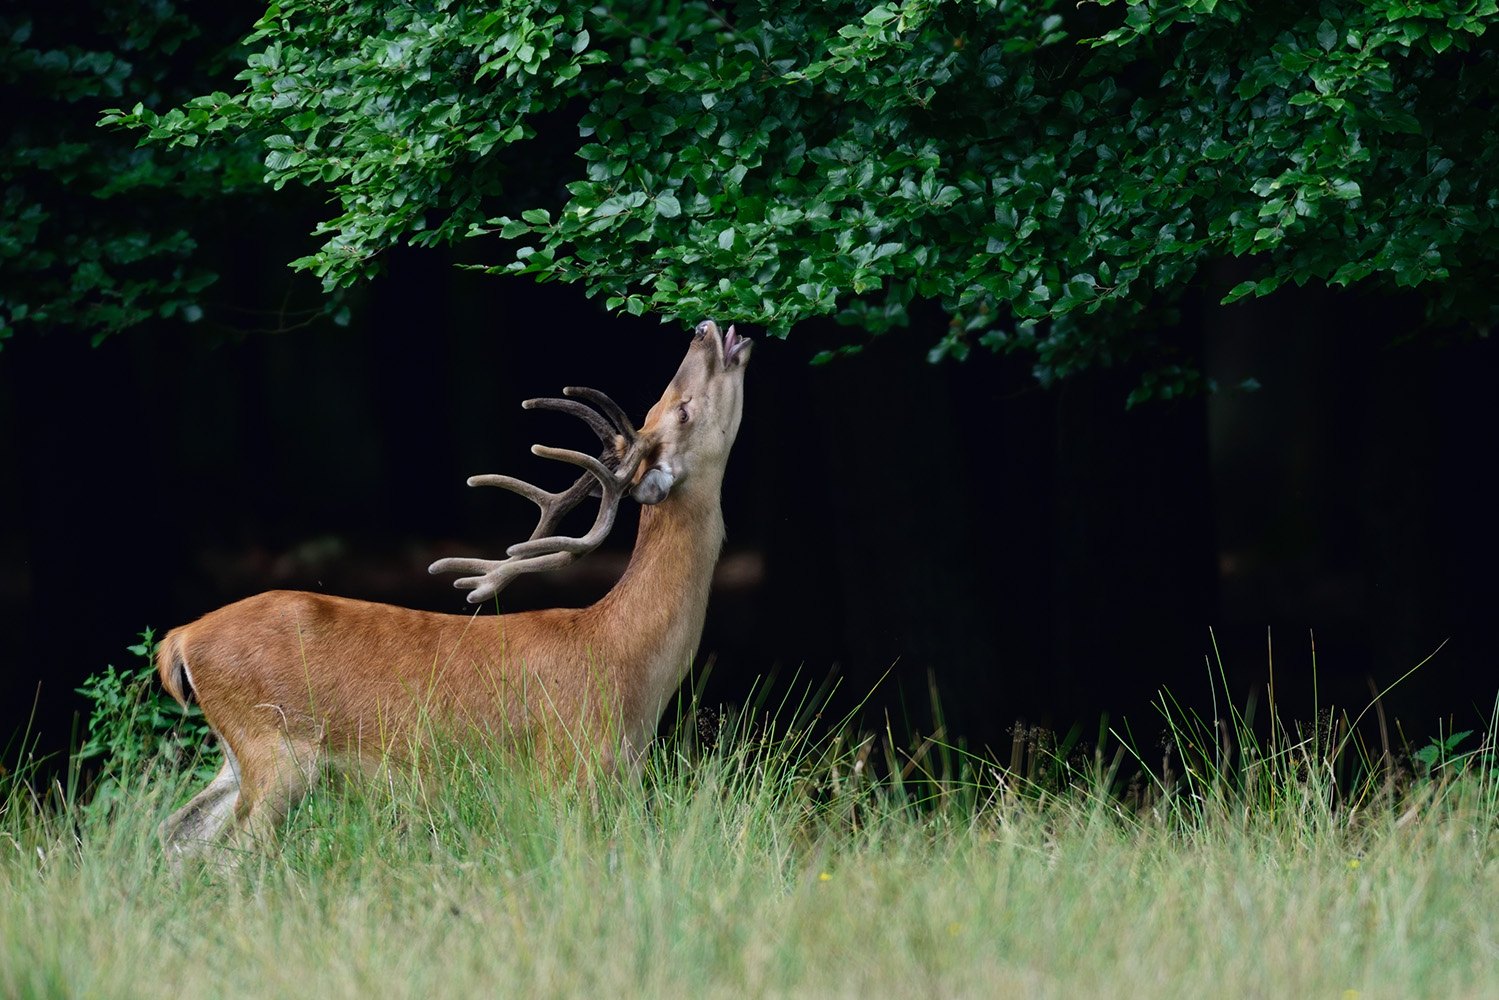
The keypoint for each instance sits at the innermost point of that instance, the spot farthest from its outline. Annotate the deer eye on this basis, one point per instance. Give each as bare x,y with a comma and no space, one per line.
682,413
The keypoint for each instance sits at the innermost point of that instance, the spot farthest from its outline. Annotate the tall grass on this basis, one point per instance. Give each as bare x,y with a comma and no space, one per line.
773,862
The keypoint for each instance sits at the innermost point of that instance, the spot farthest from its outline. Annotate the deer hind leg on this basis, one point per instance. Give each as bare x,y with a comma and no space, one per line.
199,826
279,778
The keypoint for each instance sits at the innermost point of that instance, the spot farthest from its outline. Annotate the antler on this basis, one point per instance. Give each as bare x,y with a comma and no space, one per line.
544,550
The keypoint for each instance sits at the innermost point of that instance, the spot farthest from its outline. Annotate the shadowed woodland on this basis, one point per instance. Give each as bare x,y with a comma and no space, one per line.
1039,554
1021,550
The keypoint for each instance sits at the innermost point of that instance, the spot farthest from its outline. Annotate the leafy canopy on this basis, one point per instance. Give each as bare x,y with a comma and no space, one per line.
95,233
1024,164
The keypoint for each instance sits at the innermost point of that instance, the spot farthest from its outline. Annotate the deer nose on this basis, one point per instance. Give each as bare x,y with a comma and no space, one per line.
705,328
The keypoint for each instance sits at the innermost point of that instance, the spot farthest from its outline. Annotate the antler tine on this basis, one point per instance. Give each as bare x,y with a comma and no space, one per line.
496,573
543,550
612,409
554,506
551,552
606,431
584,486
492,575
610,426
602,524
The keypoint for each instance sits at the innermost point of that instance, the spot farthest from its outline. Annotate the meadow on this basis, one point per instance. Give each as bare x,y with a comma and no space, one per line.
772,861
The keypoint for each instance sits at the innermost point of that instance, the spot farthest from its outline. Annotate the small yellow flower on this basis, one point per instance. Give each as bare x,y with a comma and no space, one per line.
824,877
1353,865
953,929
1350,995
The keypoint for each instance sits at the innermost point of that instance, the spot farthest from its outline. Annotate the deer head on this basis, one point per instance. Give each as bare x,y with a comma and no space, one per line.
683,445
694,423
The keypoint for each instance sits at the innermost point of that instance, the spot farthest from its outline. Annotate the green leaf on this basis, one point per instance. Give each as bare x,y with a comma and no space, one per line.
667,205
1346,189
281,159
1240,290
1327,36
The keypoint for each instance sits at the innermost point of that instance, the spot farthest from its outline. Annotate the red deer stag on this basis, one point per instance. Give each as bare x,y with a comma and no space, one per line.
294,682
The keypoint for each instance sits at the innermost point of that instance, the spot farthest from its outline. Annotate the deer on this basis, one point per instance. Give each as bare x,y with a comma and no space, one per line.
294,683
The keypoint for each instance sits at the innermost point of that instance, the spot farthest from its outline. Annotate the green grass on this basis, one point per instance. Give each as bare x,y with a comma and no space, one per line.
775,865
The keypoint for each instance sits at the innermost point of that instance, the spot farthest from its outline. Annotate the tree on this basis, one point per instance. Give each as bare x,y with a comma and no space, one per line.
99,232
1046,174
89,235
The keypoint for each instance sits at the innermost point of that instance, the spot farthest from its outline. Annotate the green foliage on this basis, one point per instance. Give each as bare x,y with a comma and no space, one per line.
94,231
1442,756
1045,173
134,725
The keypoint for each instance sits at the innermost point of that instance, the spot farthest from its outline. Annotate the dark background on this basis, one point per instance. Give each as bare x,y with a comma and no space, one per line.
1042,554
1039,553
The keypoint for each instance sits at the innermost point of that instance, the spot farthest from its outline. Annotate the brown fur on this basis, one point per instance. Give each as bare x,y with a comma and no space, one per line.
292,680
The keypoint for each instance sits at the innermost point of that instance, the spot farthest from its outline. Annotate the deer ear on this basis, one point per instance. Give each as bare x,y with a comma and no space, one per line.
654,486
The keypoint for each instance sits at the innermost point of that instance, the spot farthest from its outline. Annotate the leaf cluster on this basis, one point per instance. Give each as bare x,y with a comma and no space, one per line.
94,228
133,724
1047,173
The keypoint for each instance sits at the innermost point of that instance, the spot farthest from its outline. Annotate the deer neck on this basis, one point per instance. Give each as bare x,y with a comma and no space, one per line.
655,612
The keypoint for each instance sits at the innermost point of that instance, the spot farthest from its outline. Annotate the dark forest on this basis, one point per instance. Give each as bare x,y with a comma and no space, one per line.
1023,549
